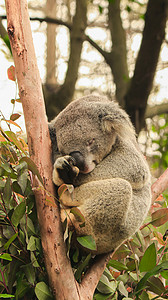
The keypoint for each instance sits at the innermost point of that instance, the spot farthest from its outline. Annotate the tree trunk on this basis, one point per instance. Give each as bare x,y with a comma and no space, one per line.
58,266
58,99
117,59
146,63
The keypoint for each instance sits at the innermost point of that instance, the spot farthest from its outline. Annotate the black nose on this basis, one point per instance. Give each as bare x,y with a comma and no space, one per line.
79,159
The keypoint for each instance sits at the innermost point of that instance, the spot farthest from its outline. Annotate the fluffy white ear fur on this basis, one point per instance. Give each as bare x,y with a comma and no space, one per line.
120,125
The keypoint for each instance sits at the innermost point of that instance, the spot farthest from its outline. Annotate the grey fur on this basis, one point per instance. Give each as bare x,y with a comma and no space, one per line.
114,190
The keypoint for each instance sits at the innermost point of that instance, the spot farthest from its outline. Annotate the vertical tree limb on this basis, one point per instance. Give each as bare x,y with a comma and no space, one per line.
118,56
146,63
58,266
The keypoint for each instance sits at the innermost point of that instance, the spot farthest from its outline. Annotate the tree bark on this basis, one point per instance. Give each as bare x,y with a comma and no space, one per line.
58,99
117,59
145,68
58,266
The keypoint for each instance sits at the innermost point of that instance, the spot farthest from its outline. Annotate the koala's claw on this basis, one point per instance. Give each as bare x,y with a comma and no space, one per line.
64,170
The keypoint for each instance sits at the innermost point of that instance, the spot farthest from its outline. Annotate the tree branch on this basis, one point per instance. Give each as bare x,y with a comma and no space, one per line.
146,63
105,54
160,185
58,265
118,58
47,20
155,110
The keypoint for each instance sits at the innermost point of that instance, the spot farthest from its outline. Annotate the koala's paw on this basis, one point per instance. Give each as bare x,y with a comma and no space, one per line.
65,170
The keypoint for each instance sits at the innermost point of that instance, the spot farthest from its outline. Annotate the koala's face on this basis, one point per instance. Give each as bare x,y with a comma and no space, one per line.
81,135
87,129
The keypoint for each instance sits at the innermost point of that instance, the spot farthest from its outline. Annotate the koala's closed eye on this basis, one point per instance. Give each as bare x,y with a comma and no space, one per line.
91,142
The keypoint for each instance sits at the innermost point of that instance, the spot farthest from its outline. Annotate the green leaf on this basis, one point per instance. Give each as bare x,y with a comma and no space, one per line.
157,269
7,191
9,242
31,245
18,213
21,288
117,265
159,217
29,272
122,289
76,255
82,266
98,296
144,296
155,285
42,291
30,226
12,136
34,260
6,167
32,167
105,286
87,241
6,256
148,261
22,180
7,296
164,274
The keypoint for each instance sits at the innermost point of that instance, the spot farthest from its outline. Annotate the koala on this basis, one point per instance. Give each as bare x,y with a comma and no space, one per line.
95,150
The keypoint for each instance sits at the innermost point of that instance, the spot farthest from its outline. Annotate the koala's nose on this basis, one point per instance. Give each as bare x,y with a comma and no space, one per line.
79,159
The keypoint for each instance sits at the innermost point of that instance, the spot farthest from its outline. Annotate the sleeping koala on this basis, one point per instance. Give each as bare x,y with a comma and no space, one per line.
95,150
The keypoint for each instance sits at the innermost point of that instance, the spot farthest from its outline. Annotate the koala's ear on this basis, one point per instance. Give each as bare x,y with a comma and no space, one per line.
120,124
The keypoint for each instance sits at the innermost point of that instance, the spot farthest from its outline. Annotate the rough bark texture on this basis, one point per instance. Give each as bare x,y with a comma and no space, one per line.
56,100
145,68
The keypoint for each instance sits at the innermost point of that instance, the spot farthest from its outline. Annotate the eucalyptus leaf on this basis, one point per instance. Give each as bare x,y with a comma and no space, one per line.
105,286
156,270
117,265
42,291
29,272
6,256
7,193
9,242
22,180
148,261
31,244
82,266
7,296
18,213
87,241
32,167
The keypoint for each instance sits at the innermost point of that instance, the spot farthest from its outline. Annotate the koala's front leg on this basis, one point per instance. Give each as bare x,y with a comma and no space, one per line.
65,170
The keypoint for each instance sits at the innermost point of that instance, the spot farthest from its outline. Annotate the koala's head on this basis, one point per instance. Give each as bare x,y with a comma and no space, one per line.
88,128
